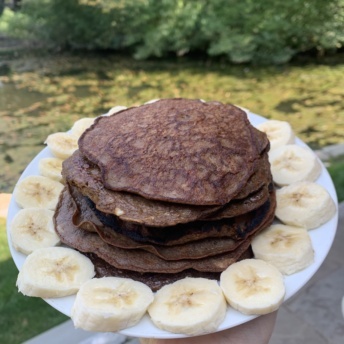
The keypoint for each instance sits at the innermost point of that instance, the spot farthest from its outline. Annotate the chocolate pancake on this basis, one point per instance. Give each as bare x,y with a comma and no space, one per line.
135,260
236,228
260,177
243,206
154,280
260,140
83,217
84,175
192,250
174,150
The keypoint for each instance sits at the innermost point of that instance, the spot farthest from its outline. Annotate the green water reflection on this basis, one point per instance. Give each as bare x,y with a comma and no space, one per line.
45,95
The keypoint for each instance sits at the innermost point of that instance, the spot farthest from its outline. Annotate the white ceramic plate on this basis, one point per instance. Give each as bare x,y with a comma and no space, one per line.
322,238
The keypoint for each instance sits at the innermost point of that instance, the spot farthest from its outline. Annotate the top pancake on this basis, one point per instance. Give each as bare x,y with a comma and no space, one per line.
174,150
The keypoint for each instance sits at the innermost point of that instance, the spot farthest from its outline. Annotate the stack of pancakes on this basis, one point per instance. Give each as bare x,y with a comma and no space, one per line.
166,190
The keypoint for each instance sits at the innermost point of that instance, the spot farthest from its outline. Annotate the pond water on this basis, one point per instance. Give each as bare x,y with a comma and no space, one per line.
27,117
42,95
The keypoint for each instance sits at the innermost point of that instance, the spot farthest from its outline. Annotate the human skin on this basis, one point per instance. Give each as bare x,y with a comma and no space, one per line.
256,331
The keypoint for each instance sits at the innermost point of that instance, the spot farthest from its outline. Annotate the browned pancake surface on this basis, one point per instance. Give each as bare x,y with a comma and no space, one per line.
78,171
192,250
237,228
154,280
175,150
84,175
135,260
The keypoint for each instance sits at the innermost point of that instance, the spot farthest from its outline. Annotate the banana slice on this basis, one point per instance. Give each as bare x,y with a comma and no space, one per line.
62,145
115,109
81,125
54,272
286,247
304,204
191,306
37,192
33,228
110,304
253,286
292,163
279,133
51,168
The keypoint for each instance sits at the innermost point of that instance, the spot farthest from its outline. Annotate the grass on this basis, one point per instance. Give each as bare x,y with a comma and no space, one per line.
336,170
21,317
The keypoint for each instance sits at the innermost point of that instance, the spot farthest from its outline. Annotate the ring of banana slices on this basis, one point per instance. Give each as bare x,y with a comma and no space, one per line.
286,254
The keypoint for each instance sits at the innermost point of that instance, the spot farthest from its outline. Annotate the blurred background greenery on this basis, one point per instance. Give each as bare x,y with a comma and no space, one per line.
269,31
63,60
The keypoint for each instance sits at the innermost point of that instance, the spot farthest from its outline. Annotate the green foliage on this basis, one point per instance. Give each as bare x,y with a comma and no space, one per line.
15,24
269,31
171,27
336,169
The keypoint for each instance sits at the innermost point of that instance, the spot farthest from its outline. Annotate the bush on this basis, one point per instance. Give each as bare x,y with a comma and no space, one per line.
72,23
269,31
